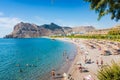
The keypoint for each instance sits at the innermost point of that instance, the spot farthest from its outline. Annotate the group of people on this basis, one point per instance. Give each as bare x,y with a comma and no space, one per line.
101,62
65,55
27,65
53,74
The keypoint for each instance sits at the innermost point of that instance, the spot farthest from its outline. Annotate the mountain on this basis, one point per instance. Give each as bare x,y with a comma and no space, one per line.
28,30
67,29
83,29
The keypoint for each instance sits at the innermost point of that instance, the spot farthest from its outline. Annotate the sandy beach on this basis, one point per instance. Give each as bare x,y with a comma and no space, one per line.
90,58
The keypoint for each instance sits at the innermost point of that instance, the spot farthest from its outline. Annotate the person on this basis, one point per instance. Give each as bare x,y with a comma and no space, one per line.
67,59
27,65
17,65
21,70
97,62
99,48
64,53
101,62
89,60
53,73
80,68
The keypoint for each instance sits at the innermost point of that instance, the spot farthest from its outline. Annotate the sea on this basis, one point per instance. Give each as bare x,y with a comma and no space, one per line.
33,58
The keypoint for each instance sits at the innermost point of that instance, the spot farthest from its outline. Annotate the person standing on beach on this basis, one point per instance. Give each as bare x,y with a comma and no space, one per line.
53,73
67,59
97,62
99,48
101,62
80,68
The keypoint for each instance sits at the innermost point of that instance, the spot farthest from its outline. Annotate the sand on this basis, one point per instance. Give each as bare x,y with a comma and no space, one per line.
93,54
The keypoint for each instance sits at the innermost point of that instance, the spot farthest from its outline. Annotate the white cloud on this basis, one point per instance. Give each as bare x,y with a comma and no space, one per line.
7,24
1,14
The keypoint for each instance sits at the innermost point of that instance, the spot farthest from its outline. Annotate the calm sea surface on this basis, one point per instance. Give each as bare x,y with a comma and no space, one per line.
32,59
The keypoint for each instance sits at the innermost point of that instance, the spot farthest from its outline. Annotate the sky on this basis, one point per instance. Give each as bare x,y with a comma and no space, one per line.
62,12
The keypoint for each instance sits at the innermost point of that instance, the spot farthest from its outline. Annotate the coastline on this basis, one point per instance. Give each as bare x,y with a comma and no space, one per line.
83,49
67,64
77,54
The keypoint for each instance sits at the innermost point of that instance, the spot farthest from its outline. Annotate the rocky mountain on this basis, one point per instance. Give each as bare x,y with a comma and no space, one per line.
67,29
27,30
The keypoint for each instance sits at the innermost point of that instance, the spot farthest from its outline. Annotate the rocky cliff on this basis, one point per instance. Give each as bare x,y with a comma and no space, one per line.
27,30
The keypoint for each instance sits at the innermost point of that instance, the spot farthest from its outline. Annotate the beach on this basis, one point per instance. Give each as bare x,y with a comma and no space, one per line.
91,55
31,59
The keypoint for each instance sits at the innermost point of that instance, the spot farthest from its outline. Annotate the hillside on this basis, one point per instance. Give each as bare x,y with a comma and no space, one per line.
28,30
83,29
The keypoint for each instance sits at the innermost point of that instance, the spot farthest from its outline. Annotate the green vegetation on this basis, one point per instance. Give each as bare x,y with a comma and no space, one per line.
104,7
114,31
108,37
113,34
110,72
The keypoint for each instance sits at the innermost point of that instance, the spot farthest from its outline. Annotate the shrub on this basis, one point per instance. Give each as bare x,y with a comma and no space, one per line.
110,72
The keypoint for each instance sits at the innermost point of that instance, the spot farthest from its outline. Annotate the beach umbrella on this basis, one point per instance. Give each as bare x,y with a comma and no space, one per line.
65,76
88,77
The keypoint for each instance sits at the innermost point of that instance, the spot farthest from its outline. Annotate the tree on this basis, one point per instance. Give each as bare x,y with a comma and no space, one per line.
104,7
114,31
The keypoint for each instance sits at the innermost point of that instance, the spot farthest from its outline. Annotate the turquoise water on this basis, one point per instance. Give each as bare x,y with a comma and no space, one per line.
32,59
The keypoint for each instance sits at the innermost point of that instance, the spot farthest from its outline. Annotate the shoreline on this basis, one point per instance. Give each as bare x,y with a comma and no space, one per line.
83,49
66,66
72,63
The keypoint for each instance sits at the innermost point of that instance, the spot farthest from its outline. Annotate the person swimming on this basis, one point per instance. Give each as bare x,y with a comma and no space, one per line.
33,65
20,70
27,65
64,53
17,65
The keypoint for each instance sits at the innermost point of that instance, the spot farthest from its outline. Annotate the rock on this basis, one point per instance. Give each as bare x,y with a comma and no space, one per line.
28,30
